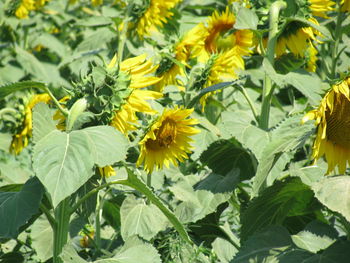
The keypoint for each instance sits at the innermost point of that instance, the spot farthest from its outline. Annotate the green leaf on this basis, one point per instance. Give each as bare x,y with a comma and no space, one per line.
43,123
16,208
5,141
288,198
138,218
134,182
31,64
289,135
98,39
246,19
69,255
334,192
217,183
64,161
222,156
42,238
13,87
297,79
315,237
337,253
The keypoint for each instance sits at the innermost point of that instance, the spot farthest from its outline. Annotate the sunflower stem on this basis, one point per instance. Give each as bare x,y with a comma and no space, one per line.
275,9
250,102
337,37
122,35
57,103
149,184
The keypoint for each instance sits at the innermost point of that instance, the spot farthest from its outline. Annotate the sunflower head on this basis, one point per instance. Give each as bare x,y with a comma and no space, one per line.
321,7
333,123
168,139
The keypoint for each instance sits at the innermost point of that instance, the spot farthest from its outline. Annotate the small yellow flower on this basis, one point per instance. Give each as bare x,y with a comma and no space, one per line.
320,7
332,119
21,139
96,2
107,171
137,68
28,5
155,16
168,139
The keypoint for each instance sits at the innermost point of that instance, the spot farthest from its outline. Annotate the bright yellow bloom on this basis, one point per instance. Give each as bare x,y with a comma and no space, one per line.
219,38
189,46
107,171
333,127
29,5
155,16
311,58
96,2
137,68
223,69
168,139
345,6
320,7
21,139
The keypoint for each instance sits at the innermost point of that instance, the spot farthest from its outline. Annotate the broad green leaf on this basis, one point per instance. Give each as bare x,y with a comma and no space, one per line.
98,39
224,250
285,198
217,183
297,79
138,218
246,19
201,141
13,87
309,175
42,239
334,192
69,255
31,64
337,253
51,42
63,162
10,74
222,156
134,182
43,123
5,141
16,208
108,144
94,21
238,125
289,135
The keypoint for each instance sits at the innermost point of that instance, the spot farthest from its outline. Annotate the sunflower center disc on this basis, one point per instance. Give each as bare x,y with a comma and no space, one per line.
165,135
338,122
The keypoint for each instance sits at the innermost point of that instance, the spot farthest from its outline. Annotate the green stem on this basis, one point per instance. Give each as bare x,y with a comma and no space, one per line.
48,215
62,217
250,102
122,35
149,184
57,103
337,37
275,9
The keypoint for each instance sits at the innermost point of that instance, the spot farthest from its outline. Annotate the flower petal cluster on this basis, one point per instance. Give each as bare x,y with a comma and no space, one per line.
321,7
333,123
168,139
29,5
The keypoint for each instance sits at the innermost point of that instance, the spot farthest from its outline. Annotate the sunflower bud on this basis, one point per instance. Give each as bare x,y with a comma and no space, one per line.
77,109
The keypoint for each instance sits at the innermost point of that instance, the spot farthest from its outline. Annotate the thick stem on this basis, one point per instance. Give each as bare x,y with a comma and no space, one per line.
57,103
48,215
337,37
122,35
60,236
275,9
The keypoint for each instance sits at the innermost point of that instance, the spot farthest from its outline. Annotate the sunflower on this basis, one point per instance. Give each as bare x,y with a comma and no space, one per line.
223,68
320,7
345,5
155,16
333,126
21,139
28,5
168,139
136,68
107,171
219,37
189,46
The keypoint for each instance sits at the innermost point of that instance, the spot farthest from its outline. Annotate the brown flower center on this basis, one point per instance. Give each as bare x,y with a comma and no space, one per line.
338,122
165,135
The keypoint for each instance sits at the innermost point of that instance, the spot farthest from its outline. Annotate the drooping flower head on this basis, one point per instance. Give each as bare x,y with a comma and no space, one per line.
155,16
333,127
220,36
168,139
21,139
136,69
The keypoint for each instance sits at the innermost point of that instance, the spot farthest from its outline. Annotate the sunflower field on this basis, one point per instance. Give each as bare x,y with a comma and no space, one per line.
175,131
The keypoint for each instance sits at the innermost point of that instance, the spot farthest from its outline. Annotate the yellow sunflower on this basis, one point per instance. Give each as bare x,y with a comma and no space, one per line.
189,46
107,171
224,67
155,16
137,68
21,139
168,139
311,58
28,5
333,126
320,7
345,5
219,37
